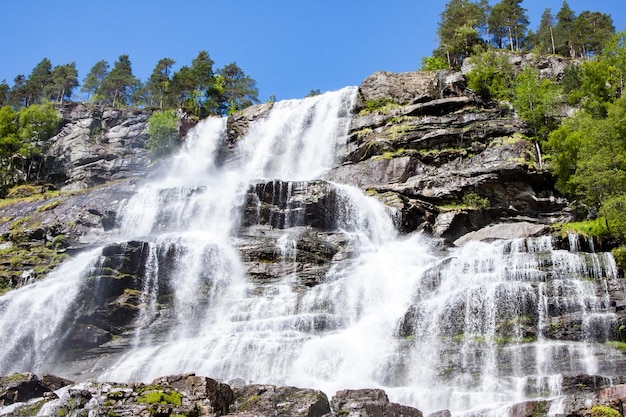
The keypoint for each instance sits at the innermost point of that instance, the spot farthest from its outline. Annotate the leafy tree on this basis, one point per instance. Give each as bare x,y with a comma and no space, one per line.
205,94
118,86
64,81
460,29
431,63
38,81
93,80
536,100
182,87
4,93
240,90
589,157
565,31
313,93
591,31
159,82
163,132
545,33
614,55
508,23
9,145
491,75
19,95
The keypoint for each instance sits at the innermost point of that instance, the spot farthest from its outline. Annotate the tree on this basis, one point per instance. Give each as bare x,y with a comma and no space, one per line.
118,86
159,82
163,133
536,100
491,75
95,77
205,88
39,80
545,33
565,31
64,81
459,30
508,23
182,87
9,145
19,95
4,93
93,80
239,89
591,31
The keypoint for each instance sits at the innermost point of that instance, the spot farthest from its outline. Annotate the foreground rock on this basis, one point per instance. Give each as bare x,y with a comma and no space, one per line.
191,395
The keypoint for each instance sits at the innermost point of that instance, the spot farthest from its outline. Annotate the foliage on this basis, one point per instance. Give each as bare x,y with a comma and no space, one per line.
475,201
460,29
164,397
431,63
163,132
604,411
239,89
508,24
536,101
95,77
491,75
313,93
596,227
118,85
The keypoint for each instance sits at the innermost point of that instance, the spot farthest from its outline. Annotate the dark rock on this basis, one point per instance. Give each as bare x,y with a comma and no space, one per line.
20,388
270,401
53,382
369,403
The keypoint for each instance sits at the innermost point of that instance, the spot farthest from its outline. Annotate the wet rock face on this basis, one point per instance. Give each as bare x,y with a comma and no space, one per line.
97,145
436,145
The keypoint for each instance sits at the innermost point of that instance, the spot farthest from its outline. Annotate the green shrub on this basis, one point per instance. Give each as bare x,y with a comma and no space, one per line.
163,132
603,411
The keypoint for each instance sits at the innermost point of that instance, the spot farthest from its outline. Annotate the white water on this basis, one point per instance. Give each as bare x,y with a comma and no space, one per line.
437,329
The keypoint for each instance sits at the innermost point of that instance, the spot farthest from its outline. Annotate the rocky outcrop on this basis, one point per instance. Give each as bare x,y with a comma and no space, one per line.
98,145
369,402
441,150
192,395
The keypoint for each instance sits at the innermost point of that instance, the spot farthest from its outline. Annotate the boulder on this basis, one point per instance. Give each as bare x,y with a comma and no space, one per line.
369,403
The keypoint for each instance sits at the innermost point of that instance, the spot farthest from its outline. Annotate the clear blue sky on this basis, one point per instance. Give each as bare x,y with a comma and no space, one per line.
288,46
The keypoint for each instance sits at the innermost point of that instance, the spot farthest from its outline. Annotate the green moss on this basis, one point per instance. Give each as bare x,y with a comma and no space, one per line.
475,201
621,346
619,254
49,206
597,227
251,400
604,411
160,397
381,105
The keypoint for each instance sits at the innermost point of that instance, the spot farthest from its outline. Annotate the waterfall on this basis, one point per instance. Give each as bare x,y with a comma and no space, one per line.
470,329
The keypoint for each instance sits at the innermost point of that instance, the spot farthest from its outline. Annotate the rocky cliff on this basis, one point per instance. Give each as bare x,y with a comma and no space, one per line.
444,162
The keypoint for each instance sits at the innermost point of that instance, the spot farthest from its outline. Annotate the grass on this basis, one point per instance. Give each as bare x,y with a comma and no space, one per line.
160,397
597,227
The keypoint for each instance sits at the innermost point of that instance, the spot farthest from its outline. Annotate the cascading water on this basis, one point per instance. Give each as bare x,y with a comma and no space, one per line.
470,329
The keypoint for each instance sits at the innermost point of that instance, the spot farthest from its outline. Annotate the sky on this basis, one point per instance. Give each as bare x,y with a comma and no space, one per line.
289,47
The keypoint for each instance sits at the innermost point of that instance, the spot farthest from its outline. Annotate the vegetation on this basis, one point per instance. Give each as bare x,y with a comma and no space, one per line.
604,411
164,397
163,132
23,139
199,89
468,27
